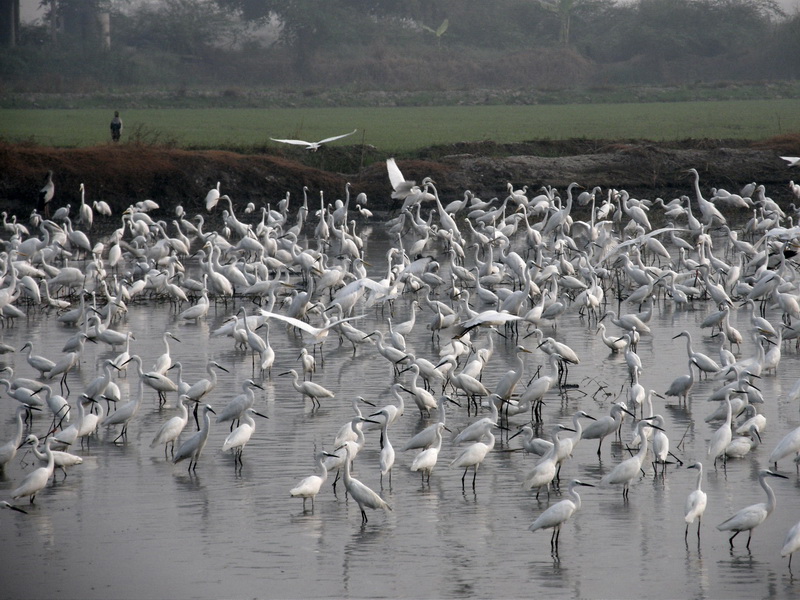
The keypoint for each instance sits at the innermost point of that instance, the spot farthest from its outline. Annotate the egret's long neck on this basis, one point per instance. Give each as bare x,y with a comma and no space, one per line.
770,494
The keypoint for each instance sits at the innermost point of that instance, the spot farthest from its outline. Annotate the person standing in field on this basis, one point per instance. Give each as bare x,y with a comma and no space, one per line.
116,127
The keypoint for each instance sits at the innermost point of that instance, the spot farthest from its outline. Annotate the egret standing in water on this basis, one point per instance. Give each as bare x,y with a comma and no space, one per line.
310,486
171,429
308,388
629,468
722,437
473,456
695,502
36,480
9,450
558,514
425,461
605,426
363,495
239,437
62,460
192,447
792,543
752,516
789,444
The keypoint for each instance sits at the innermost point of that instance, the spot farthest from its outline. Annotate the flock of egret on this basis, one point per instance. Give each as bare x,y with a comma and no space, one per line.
473,273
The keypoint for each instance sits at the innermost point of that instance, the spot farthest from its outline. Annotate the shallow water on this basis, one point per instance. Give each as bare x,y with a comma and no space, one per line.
130,524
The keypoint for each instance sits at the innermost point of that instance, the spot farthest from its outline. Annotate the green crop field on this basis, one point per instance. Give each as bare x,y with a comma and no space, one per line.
405,129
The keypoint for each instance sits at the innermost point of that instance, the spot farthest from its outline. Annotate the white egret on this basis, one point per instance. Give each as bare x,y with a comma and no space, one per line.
212,197
308,388
125,413
387,450
68,435
238,438
318,334
791,543
752,418
198,311
427,437
40,363
23,395
721,437
310,486
695,502
702,361
615,344
98,386
792,161
47,193
752,516
236,408
68,362
741,446
568,444
682,385
309,363
62,460
314,146
530,443
172,428
36,480
9,450
90,420
164,362
199,389
629,468
789,444
363,495
351,431
473,456
390,412
542,475
605,426
192,447
559,513
425,461
423,398
160,383
477,429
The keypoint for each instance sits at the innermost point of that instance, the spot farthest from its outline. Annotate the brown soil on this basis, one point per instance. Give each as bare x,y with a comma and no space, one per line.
124,174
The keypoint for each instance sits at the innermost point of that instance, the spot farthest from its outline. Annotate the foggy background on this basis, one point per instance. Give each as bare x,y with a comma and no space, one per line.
228,46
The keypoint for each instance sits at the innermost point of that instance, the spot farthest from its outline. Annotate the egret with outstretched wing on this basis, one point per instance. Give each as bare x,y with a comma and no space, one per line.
314,146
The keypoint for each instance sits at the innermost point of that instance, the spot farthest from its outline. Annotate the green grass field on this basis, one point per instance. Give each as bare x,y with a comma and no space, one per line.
405,129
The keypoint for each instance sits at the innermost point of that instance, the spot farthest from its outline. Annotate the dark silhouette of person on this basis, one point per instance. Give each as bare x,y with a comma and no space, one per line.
116,127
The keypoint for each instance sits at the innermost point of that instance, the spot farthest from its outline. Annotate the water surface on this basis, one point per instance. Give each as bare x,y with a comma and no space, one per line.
129,524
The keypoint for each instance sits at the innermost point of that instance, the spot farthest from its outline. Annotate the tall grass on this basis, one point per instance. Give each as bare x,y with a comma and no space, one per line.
405,129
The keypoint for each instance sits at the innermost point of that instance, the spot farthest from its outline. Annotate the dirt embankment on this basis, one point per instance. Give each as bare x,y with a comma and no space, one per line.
124,174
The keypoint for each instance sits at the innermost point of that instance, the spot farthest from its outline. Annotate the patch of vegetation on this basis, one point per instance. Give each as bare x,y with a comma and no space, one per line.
404,130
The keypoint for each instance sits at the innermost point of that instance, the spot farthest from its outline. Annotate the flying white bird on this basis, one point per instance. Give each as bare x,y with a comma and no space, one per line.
314,146
794,161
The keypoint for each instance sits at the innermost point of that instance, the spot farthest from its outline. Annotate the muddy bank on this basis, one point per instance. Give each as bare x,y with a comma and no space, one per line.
124,174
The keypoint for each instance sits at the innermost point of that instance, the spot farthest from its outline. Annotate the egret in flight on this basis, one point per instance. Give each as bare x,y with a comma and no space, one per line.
314,146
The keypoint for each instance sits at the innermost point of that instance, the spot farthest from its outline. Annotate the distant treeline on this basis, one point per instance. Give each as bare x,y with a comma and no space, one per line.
92,46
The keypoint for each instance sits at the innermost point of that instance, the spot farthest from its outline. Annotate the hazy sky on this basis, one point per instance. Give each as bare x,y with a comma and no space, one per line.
30,11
